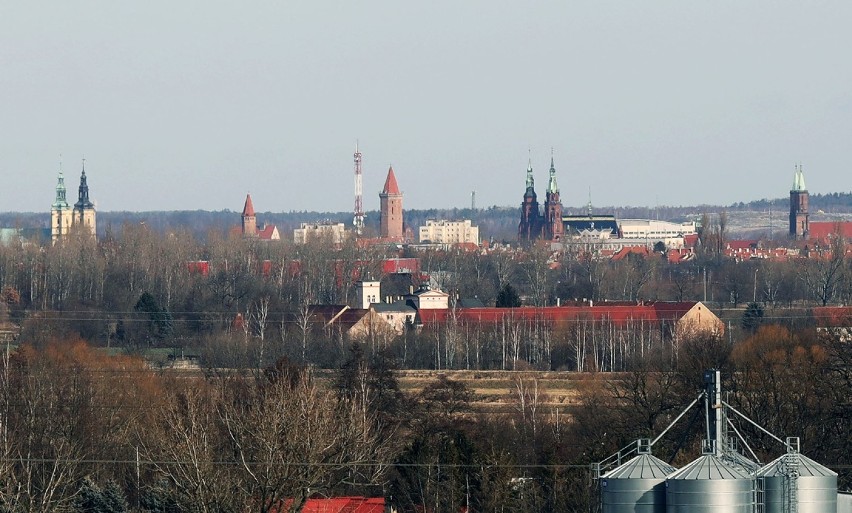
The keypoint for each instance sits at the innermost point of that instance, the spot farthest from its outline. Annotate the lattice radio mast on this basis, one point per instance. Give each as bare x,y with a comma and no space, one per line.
358,221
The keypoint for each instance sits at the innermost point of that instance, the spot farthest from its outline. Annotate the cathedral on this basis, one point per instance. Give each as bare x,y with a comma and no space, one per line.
535,224
63,218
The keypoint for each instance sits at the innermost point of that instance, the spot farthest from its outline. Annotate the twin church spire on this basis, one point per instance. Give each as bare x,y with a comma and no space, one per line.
534,224
62,217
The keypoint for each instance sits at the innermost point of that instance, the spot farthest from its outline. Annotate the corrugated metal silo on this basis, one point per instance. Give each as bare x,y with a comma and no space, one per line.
814,489
638,486
709,485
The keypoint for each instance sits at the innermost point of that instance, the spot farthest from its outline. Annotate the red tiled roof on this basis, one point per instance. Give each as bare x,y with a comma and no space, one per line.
390,183
617,313
624,252
266,232
821,230
740,245
400,265
248,209
339,314
690,240
337,505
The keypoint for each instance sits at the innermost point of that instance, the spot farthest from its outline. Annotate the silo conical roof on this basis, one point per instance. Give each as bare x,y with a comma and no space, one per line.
807,468
642,466
708,466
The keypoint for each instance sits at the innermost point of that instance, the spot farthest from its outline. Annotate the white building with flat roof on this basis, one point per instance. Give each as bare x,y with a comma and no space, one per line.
335,232
449,232
654,230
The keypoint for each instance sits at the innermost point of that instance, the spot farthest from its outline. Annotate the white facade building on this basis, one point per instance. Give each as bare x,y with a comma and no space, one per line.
428,299
367,293
334,231
654,230
595,241
449,232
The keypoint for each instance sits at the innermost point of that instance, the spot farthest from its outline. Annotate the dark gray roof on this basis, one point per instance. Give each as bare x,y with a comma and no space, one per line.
396,306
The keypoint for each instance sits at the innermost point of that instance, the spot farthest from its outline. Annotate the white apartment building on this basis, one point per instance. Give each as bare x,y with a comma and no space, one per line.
449,232
654,230
333,231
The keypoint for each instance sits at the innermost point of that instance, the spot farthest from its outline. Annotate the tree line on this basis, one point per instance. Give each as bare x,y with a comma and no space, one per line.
250,303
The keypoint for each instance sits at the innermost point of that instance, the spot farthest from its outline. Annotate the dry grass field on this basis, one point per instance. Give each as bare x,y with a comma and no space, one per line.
497,391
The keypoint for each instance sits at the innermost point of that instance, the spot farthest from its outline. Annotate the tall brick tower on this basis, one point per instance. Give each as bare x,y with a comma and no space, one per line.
390,200
799,206
529,228
553,228
249,219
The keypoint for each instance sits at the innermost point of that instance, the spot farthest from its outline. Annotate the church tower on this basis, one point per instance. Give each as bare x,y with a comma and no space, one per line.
529,228
84,210
390,201
60,211
553,228
249,219
799,227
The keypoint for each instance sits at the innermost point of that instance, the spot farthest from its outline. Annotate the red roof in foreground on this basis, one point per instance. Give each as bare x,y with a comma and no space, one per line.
390,183
620,313
836,316
339,505
248,209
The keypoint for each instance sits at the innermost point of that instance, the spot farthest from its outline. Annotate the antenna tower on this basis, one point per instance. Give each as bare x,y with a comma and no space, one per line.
473,200
358,221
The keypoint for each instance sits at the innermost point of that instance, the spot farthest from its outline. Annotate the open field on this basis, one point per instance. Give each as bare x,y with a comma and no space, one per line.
495,390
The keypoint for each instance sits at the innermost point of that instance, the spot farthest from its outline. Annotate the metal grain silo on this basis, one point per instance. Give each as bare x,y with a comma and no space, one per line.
794,478
709,485
638,486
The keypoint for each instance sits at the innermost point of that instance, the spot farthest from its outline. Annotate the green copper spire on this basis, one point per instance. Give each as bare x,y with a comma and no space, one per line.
552,187
799,179
530,179
60,202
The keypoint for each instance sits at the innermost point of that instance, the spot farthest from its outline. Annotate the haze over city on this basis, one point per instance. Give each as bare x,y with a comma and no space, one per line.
191,105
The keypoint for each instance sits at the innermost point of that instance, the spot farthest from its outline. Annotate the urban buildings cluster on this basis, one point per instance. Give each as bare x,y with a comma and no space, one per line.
601,234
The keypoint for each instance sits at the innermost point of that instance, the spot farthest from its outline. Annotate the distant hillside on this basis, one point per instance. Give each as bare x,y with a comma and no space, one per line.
832,202
498,223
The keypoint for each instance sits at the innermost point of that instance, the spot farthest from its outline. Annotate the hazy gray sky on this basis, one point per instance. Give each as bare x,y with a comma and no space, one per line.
189,105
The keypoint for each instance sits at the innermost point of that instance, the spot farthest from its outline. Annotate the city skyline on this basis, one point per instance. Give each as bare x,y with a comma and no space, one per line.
663,104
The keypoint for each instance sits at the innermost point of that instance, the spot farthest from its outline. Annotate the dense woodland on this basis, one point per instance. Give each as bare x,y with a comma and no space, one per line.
284,409
88,432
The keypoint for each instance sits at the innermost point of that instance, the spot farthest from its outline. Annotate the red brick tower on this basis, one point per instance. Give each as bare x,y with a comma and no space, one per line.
249,219
390,200
553,228
529,229
799,206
